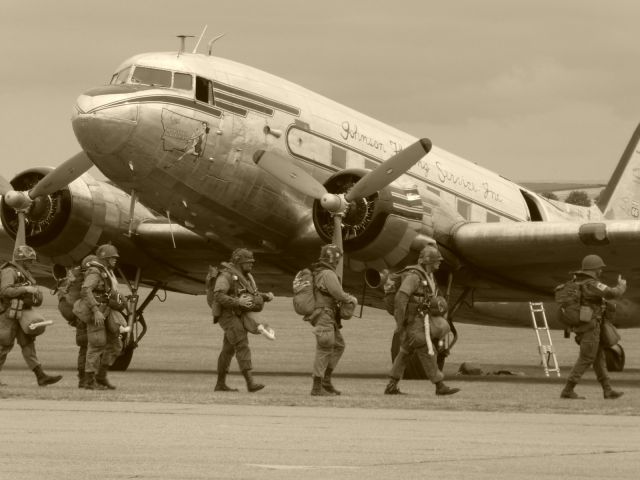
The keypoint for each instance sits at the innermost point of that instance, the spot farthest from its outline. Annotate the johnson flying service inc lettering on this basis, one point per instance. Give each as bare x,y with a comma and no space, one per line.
447,177
350,132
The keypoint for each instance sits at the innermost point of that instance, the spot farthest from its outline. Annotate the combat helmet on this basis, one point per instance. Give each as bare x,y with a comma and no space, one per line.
242,255
106,251
330,253
24,252
592,262
429,255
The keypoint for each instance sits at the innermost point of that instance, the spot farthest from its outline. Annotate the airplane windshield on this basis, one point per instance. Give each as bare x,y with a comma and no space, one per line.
151,76
121,77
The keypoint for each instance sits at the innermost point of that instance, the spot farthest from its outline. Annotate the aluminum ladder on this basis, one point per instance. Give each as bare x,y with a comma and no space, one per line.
545,345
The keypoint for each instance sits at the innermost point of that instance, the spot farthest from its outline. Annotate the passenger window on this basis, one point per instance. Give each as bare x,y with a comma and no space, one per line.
204,90
151,76
182,81
464,209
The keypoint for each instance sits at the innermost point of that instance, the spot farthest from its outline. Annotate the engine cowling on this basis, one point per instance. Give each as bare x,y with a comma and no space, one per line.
379,231
67,225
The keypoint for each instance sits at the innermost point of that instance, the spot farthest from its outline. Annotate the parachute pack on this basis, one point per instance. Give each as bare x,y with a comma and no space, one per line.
568,296
304,301
71,285
393,283
240,288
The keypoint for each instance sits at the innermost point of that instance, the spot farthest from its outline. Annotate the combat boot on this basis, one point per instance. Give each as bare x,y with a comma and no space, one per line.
392,387
567,392
326,382
611,394
43,378
251,385
101,378
442,389
221,384
81,378
90,382
317,390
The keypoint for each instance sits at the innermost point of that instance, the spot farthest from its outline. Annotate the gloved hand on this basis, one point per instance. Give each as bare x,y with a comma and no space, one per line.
245,301
98,318
268,296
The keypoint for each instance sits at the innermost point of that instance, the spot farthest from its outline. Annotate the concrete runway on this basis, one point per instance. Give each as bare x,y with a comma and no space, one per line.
118,440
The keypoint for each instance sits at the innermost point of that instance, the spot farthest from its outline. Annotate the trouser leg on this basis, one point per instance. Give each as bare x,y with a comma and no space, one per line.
338,349
399,363
226,354
28,345
96,342
429,364
588,350
325,341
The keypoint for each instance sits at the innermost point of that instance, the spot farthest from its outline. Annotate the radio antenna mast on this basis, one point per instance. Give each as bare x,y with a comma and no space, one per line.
200,39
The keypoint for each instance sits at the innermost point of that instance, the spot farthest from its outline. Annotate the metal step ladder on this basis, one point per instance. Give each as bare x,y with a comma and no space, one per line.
545,345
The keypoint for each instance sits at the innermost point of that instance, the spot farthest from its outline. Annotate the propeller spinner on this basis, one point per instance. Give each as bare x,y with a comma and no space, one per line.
338,204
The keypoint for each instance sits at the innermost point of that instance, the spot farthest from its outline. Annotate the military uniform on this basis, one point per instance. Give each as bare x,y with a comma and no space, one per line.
415,293
231,284
329,295
99,293
410,322
15,285
594,293
68,292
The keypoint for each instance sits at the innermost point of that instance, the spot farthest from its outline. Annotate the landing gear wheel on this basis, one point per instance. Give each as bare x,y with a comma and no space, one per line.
124,359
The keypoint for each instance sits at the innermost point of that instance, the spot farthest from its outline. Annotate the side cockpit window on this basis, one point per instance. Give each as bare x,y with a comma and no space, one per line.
204,90
151,76
182,81
121,77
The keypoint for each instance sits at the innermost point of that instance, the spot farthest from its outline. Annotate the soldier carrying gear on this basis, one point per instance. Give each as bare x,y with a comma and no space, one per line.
592,309
19,294
234,295
68,293
329,295
409,312
98,307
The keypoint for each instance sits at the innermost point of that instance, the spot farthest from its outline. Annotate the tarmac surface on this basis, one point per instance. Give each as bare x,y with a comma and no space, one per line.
123,440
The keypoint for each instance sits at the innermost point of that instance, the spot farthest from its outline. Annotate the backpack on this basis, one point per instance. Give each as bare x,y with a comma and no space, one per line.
392,284
304,301
210,283
70,286
568,296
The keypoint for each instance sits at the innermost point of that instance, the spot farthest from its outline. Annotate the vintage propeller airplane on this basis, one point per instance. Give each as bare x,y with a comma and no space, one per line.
204,155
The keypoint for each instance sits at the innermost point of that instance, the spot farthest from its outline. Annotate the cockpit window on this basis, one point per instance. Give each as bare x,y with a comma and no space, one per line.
151,76
120,77
182,81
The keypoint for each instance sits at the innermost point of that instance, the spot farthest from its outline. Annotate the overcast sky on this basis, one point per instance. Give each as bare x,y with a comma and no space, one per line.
535,90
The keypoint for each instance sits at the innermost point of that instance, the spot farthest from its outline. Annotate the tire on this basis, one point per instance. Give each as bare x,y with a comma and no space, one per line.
123,360
414,370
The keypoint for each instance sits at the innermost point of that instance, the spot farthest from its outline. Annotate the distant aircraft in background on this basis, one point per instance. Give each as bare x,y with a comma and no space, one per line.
204,155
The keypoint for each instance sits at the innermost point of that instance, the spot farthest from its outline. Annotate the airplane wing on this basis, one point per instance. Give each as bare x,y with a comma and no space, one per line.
499,258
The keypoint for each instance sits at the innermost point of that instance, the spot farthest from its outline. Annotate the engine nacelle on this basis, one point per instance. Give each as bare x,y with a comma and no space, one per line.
379,231
66,226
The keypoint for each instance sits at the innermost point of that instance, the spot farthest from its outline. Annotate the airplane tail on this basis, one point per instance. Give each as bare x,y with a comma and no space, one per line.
621,197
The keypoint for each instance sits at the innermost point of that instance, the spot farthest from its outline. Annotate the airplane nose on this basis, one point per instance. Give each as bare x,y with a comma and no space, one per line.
103,127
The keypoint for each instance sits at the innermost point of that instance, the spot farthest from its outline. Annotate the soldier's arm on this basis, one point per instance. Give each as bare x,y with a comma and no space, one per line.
408,286
91,281
221,292
333,287
606,292
8,287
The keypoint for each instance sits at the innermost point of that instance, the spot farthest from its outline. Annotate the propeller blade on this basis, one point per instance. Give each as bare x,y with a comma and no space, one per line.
289,174
389,170
62,176
5,186
20,235
337,241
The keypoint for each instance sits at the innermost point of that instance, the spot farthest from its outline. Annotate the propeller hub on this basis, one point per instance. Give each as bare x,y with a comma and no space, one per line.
333,203
17,200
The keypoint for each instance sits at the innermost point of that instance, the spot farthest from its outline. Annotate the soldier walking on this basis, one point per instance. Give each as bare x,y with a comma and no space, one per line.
410,304
19,294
